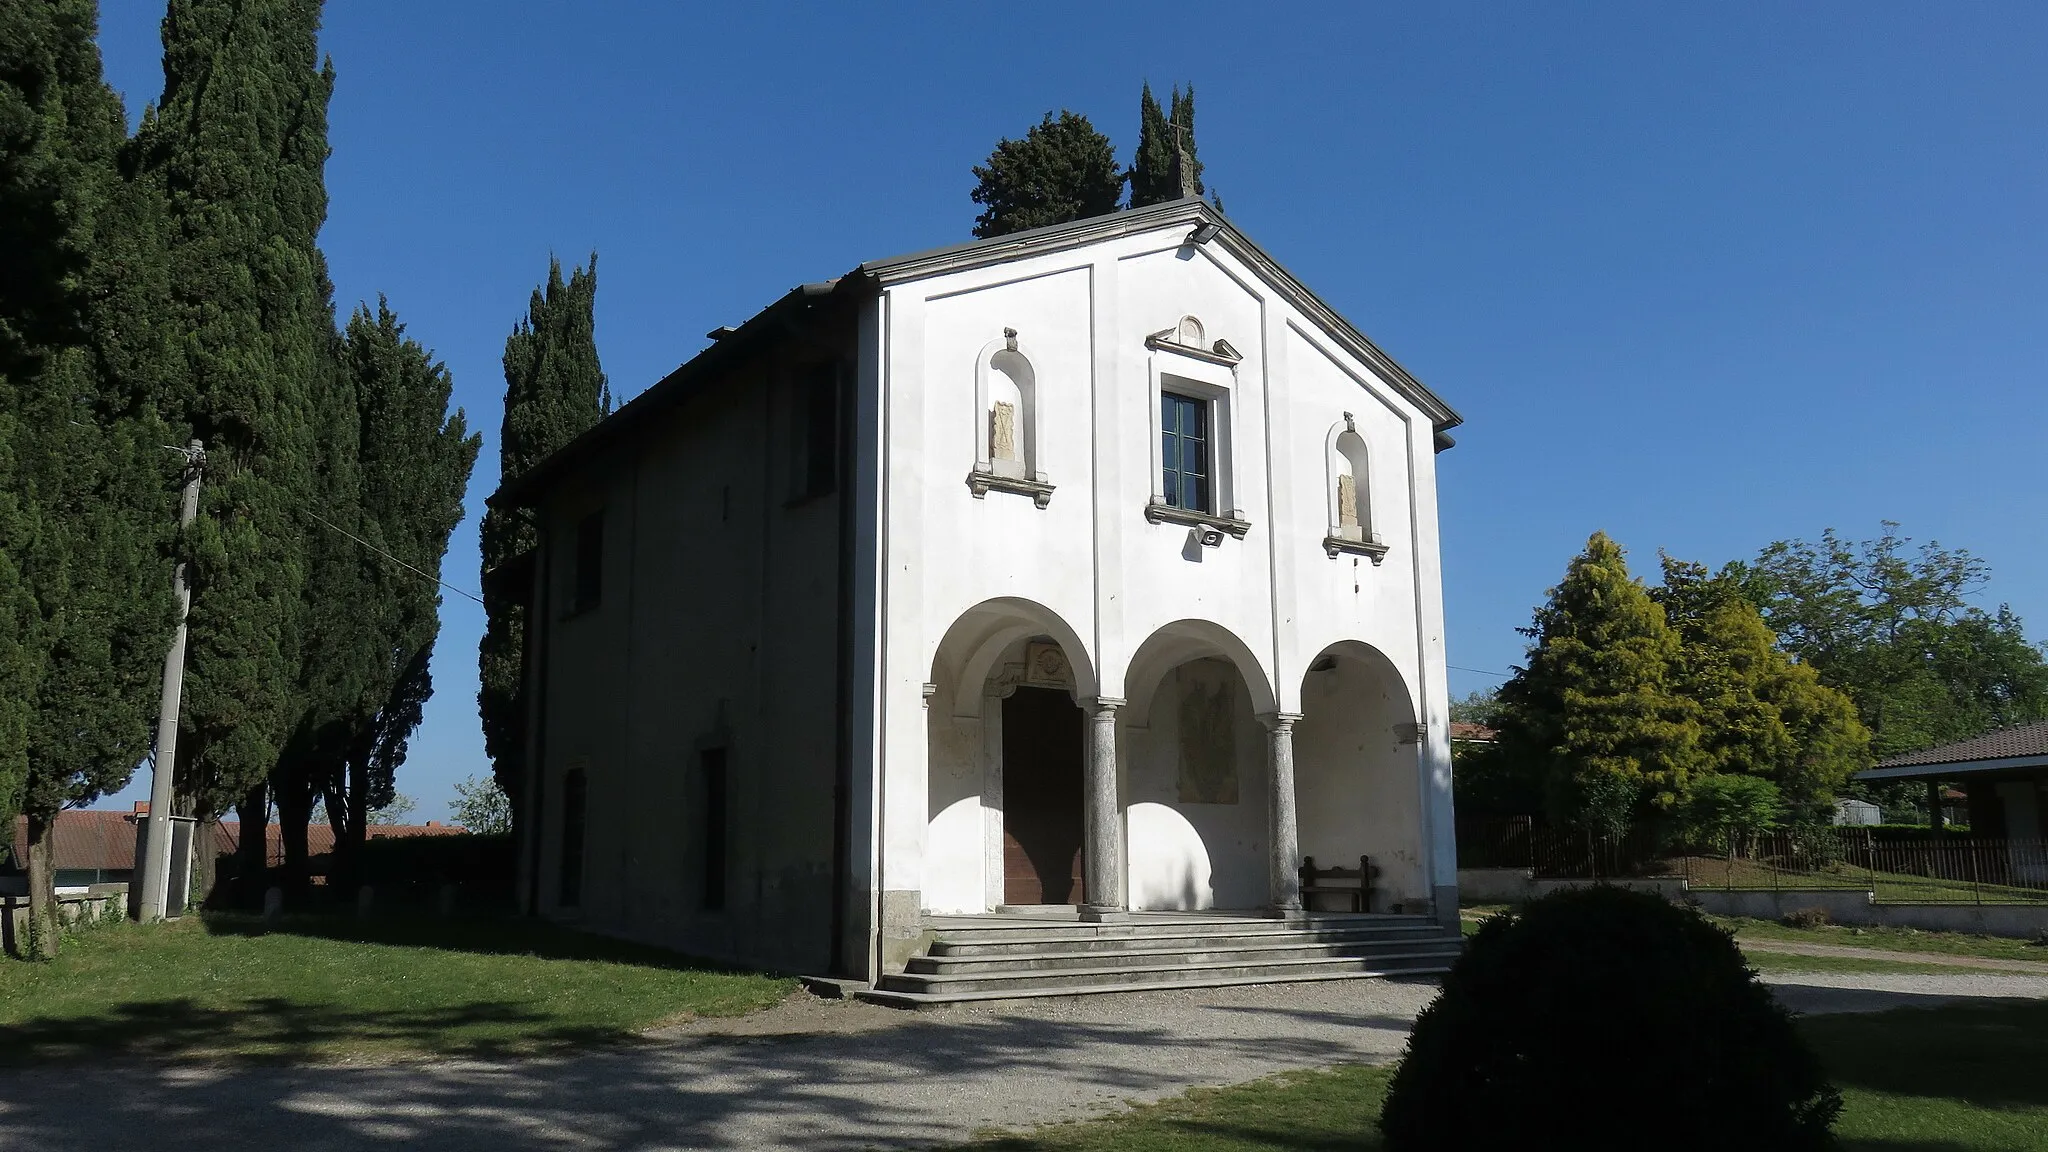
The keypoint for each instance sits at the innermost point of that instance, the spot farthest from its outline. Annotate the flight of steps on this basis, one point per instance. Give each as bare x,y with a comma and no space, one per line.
1008,960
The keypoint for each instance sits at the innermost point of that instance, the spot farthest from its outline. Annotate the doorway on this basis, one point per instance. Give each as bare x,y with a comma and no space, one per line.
1041,798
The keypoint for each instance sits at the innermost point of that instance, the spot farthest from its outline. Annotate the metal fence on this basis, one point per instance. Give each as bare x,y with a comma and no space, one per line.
1930,870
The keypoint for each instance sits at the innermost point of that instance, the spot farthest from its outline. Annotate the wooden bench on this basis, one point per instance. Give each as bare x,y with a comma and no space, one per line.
1317,881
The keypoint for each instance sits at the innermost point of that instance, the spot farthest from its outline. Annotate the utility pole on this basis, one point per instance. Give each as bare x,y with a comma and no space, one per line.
156,862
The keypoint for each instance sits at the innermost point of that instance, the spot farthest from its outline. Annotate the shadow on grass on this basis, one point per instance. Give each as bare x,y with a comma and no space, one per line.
271,1030
485,935
1989,1055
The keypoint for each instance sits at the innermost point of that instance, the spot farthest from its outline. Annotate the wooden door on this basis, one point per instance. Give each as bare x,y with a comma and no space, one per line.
1041,798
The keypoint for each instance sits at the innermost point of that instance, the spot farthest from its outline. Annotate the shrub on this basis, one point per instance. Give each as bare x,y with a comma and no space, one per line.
1601,1018
1807,918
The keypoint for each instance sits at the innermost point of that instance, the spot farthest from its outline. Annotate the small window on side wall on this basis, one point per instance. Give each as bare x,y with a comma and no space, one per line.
586,586
815,431
575,797
715,828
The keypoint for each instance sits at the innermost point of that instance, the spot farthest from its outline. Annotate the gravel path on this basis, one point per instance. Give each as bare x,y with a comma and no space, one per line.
808,1075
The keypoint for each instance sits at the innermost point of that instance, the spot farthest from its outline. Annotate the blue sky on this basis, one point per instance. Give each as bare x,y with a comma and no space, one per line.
1701,276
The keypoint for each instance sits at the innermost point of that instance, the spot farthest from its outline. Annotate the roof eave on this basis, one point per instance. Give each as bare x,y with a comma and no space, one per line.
1948,768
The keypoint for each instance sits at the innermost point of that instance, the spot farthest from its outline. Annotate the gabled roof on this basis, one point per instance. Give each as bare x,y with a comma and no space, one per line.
2020,747
871,277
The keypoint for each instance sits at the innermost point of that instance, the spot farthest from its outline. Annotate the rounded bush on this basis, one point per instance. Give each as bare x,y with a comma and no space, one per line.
1602,1018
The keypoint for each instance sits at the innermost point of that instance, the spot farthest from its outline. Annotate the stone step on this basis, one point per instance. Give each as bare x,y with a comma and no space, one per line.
922,1000
1045,941
1219,952
1168,975
1206,926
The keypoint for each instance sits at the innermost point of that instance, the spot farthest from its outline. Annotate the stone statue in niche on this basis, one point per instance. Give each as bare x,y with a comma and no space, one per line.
1208,744
1347,504
1004,458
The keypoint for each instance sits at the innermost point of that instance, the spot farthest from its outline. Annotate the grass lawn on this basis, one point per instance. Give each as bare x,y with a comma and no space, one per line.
1890,939
334,988
1955,1079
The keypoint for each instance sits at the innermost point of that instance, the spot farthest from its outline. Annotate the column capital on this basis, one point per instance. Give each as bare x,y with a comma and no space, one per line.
1102,703
1279,721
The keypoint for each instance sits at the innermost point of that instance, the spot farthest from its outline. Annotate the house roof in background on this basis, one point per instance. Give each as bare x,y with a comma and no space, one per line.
2018,747
1475,733
106,840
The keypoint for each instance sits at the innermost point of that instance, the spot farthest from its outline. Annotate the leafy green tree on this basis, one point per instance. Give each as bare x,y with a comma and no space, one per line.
481,806
554,389
1478,707
1593,714
1891,627
1723,809
83,518
394,810
1062,170
236,149
1761,714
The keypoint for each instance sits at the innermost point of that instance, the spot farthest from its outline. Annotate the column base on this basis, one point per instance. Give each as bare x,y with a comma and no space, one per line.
1102,914
1293,915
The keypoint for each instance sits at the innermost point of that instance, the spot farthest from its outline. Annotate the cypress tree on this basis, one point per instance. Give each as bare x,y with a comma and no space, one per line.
412,465
82,511
236,148
1061,170
554,389
1593,713
1151,176
1165,166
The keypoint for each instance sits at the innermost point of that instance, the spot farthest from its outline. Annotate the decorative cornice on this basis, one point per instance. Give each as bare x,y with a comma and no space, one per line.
982,483
1222,354
1168,514
1334,545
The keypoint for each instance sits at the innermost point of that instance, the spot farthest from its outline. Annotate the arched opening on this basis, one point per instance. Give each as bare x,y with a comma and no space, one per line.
1195,774
1358,771
1004,780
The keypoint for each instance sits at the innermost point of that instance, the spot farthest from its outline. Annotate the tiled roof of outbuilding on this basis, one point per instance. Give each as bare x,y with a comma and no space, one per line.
2005,744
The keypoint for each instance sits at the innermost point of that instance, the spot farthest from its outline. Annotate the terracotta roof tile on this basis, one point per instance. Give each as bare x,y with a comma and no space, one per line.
2004,744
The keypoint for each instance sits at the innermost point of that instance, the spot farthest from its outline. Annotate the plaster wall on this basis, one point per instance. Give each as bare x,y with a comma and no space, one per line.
1357,781
716,631
1092,562
1185,851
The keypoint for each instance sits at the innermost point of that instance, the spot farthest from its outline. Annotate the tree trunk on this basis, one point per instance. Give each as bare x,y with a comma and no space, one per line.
252,851
348,848
44,923
294,814
205,861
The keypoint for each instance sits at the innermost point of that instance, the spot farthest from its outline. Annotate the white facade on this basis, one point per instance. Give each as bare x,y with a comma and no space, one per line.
1259,678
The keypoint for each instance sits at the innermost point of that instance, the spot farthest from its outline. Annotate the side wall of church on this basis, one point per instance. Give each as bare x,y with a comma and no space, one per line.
705,673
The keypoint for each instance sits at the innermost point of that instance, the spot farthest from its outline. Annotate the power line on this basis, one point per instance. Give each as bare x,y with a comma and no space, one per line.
1481,671
390,557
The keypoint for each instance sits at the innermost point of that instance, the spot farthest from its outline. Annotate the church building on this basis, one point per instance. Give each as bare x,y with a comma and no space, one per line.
1089,572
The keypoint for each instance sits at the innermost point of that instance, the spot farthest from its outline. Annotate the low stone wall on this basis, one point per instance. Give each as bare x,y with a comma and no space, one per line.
14,914
2025,921
1517,886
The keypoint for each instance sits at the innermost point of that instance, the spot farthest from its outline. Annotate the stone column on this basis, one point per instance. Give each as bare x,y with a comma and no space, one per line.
1102,856
1283,876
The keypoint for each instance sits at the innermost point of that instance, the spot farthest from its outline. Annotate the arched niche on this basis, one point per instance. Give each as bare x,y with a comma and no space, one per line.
1006,433
1349,490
